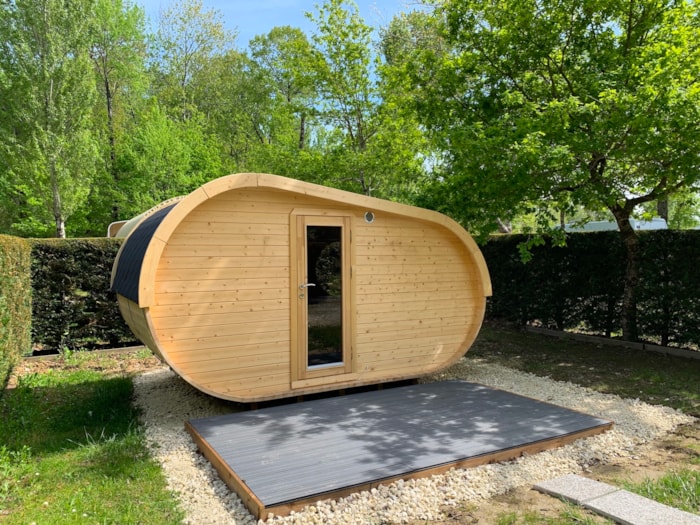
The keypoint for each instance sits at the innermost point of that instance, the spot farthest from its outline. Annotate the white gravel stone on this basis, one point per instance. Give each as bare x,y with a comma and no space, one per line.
167,401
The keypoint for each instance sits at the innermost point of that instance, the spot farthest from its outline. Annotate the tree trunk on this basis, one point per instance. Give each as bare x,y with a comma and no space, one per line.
58,214
662,208
302,131
60,228
629,298
56,201
112,144
504,227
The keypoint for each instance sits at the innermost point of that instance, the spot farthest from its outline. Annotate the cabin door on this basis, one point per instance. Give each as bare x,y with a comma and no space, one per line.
321,291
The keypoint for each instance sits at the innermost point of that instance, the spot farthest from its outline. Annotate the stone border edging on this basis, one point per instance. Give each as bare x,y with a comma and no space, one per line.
648,347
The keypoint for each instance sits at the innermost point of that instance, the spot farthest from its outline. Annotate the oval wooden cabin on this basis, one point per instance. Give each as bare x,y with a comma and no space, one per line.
256,287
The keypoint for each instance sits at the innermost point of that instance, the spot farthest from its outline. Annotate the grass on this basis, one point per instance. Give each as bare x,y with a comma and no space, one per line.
676,489
569,515
633,374
72,451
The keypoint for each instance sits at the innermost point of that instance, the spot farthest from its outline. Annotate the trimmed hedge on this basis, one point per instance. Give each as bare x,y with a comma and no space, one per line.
580,285
15,304
73,306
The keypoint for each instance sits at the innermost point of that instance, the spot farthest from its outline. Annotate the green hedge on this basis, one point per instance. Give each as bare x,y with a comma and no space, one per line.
73,306
581,285
577,286
15,304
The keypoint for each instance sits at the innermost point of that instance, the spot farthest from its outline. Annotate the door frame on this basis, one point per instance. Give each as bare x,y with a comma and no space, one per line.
301,375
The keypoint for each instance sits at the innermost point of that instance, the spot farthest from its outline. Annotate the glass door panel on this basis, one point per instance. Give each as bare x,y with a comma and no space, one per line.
321,314
324,296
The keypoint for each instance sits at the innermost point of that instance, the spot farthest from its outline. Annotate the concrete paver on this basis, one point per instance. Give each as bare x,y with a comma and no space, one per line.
576,489
616,504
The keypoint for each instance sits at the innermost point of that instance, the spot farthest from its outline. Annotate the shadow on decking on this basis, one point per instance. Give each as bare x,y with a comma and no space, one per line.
280,458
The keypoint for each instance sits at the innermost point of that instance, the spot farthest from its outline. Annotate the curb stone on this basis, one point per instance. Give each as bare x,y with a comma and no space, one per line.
616,504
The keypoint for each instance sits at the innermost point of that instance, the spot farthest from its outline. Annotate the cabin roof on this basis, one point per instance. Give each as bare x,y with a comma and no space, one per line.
126,277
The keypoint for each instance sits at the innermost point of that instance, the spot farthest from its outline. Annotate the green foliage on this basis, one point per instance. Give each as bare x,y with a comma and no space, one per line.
73,306
370,145
162,159
677,489
48,149
72,451
568,287
118,54
187,39
15,304
540,106
571,102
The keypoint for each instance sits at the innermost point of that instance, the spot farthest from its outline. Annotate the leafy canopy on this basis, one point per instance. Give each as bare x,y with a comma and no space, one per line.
566,102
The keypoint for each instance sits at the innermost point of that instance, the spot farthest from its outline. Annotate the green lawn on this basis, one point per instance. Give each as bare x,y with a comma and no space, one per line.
632,374
72,451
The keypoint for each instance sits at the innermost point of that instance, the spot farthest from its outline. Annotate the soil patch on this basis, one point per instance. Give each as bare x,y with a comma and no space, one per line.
677,451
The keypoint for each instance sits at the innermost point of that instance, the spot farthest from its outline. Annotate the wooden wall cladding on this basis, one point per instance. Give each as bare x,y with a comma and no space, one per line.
218,288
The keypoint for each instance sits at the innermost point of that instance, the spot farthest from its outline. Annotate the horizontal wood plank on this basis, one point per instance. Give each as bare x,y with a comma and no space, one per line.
220,285
414,324
234,367
225,250
404,250
439,334
237,374
218,319
412,309
449,296
244,354
232,330
184,298
225,307
232,239
377,269
196,274
210,262
198,344
410,278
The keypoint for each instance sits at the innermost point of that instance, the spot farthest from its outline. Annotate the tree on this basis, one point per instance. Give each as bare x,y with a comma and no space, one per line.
188,38
409,154
285,57
164,158
48,94
118,55
343,72
573,102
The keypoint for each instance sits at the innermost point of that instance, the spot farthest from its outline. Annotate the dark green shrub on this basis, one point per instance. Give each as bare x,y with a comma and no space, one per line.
73,306
580,286
668,303
15,304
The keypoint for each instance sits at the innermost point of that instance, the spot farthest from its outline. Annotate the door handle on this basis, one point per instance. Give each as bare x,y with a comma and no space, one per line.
303,287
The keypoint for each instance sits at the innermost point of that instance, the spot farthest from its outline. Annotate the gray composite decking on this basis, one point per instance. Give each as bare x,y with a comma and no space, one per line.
277,459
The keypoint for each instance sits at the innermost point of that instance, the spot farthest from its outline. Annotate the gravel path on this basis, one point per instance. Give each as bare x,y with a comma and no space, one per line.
167,402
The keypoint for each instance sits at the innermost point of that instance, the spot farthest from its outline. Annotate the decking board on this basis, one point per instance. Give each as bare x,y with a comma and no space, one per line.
282,457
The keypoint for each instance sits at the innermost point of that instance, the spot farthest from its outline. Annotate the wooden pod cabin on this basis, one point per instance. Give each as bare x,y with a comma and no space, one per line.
256,287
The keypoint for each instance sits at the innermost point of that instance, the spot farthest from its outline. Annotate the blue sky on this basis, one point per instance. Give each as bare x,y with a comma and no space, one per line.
255,17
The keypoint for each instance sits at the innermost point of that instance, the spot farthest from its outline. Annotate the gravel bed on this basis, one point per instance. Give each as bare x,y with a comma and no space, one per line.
167,402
